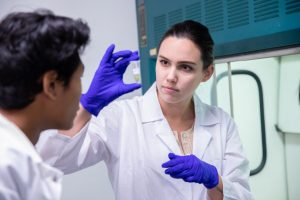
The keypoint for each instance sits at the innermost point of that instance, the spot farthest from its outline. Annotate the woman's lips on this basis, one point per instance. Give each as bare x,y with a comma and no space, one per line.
168,89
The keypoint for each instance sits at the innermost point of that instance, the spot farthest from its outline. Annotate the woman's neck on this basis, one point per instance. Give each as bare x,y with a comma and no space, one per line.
180,116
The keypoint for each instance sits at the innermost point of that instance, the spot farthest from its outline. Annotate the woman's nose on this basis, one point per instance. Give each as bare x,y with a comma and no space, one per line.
172,75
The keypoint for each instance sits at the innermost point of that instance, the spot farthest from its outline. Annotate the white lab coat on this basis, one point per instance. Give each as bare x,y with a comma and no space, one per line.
23,174
134,139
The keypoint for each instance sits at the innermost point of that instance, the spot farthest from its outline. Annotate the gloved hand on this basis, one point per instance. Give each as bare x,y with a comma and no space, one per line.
192,169
107,84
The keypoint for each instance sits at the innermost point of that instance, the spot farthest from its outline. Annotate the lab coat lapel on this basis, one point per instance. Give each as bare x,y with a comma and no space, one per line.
201,140
204,119
161,142
165,134
153,114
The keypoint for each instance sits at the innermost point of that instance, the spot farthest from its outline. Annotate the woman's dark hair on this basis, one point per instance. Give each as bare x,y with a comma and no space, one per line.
32,43
198,34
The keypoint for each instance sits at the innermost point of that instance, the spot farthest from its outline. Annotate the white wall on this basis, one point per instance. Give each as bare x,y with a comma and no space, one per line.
112,21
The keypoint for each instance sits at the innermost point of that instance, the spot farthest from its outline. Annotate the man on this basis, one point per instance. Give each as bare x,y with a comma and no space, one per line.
40,88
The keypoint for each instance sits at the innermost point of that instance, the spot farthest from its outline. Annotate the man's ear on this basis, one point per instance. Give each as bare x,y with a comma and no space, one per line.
208,72
50,84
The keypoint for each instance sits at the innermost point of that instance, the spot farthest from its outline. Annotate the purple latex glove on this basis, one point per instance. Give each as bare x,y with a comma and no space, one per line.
191,169
107,84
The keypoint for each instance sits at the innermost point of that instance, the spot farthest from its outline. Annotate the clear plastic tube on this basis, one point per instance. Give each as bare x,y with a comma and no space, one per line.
136,71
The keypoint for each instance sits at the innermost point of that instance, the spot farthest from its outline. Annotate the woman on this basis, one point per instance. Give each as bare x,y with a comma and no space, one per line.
166,144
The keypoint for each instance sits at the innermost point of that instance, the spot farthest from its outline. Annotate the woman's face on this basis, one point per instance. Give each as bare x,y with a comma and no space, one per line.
179,70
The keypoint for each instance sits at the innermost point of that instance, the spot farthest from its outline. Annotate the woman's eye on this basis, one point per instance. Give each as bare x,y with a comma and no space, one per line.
186,68
163,62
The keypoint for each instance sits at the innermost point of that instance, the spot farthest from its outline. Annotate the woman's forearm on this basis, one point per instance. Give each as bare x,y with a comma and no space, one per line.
82,117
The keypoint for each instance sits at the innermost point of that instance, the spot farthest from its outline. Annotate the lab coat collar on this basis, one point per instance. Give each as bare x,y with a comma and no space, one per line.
20,141
12,139
150,106
204,118
152,110
19,137
204,115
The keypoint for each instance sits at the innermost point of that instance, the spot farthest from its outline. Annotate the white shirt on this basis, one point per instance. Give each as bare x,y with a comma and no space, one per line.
23,174
134,139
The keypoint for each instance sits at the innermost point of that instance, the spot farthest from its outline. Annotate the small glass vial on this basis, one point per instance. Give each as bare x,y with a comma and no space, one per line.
136,71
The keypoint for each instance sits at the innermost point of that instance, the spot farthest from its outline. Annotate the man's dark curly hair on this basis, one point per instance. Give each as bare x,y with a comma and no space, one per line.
32,43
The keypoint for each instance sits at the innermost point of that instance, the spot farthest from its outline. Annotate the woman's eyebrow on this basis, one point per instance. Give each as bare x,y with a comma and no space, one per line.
163,57
180,62
187,62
